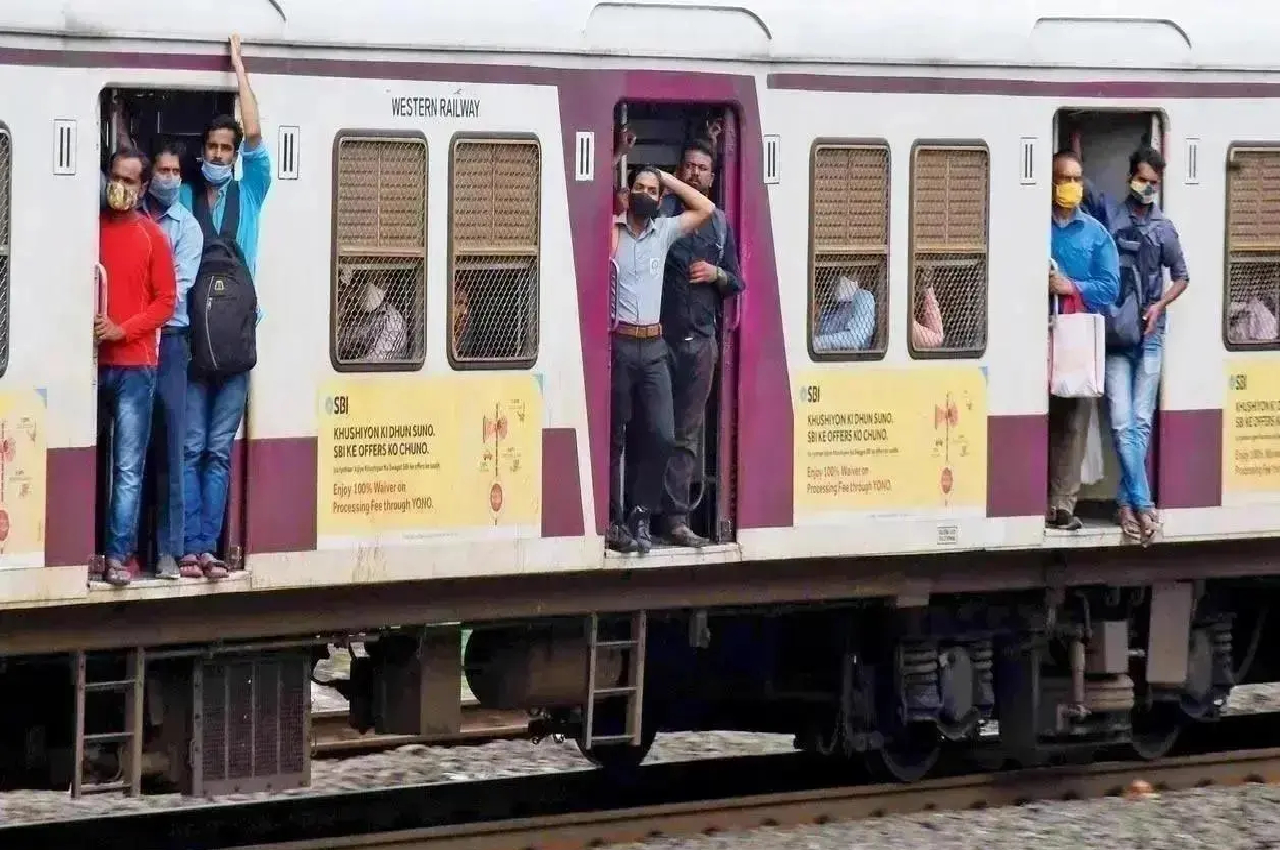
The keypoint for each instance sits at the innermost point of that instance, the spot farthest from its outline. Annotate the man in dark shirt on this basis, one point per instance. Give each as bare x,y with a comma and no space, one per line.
701,271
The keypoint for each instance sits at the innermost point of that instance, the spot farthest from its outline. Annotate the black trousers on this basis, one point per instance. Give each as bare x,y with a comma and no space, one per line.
641,394
693,371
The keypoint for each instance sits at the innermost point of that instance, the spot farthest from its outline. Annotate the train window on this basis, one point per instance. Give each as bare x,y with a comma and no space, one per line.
494,203
949,195
1253,248
849,251
380,252
6,168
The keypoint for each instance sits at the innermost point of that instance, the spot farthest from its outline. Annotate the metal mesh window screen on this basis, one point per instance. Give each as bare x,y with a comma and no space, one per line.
494,226
380,229
1253,247
6,169
848,277
949,195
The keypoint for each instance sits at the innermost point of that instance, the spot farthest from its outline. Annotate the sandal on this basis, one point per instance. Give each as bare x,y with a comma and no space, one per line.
1129,525
1150,525
214,569
189,567
117,575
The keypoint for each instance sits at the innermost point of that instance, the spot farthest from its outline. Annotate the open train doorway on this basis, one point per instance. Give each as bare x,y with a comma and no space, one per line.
699,322
153,121
1105,140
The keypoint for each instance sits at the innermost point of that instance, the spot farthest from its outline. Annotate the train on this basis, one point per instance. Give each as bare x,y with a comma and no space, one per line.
880,582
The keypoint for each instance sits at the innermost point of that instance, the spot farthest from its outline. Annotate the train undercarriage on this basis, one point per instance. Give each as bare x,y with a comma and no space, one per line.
888,685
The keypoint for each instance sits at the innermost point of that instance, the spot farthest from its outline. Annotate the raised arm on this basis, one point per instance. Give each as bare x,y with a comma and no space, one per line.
255,162
248,103
697,206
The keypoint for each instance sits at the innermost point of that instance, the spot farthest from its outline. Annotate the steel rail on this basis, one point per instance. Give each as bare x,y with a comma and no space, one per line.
1017,787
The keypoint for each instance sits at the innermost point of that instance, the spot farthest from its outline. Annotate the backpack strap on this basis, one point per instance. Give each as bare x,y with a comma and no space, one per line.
230,212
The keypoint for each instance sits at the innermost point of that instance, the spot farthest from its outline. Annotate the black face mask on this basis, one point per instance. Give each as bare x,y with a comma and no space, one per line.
642,205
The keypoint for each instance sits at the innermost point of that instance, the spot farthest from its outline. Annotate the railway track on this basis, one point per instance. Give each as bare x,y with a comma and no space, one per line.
567,811
334,738
581,831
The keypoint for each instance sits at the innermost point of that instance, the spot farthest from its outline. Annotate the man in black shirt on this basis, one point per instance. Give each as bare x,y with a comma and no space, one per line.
701,271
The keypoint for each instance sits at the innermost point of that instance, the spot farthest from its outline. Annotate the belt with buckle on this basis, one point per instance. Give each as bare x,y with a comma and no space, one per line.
639,331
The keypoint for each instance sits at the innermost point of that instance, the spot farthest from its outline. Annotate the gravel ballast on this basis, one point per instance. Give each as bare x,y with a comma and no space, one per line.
415,764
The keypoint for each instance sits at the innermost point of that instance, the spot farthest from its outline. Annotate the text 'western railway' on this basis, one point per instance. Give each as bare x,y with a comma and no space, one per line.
435,107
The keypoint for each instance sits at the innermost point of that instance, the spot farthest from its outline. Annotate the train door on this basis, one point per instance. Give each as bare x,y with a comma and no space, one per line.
1104,140
146,119
661,132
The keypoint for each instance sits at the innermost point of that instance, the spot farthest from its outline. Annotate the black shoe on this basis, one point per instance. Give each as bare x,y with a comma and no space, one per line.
619,539
638,525
1064,521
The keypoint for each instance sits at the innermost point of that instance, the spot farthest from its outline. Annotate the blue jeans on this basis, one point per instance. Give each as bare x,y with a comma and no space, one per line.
169,433
1133,380
214,411
125,395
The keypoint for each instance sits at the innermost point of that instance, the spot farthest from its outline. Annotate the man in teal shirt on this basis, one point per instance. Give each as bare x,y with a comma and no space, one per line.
215,407
1085,274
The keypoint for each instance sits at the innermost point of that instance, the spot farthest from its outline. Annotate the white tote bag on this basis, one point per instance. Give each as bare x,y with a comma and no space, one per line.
1077,355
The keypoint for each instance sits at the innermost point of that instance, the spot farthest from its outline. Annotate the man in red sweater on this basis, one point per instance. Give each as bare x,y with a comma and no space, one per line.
140,293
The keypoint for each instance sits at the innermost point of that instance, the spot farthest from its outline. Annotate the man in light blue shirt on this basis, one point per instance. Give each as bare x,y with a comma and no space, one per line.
170,411
1084,276
640,375
215,407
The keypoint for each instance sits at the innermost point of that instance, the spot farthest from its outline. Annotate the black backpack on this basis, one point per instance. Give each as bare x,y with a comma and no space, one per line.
223,304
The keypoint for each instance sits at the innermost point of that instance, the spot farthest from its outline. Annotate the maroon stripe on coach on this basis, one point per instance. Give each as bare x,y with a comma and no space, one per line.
279,513
562,509
1190,459
1017,465
71,483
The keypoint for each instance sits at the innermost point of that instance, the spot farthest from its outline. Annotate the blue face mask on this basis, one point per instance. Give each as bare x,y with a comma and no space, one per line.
164,188
216,174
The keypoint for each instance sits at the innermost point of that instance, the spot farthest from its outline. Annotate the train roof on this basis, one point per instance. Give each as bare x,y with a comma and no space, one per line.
1101,34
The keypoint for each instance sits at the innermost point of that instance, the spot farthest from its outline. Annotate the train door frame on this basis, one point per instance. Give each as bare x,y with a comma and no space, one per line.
719,439
234,526
1069,127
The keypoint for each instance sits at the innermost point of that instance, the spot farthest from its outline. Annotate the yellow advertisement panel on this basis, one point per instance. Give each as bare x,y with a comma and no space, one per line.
1251,427
419,456
22,477
890,440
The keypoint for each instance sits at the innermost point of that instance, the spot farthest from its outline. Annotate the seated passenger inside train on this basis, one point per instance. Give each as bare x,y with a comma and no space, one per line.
848,321
373,329
1253,320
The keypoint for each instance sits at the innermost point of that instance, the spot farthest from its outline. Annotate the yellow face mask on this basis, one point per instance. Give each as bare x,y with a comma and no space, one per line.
121,197
1068,195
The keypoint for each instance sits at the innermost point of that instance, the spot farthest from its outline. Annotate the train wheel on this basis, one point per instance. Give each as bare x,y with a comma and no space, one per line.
1156,730
908,756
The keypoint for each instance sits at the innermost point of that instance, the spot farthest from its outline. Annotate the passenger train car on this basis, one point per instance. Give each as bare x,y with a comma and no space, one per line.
881,581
